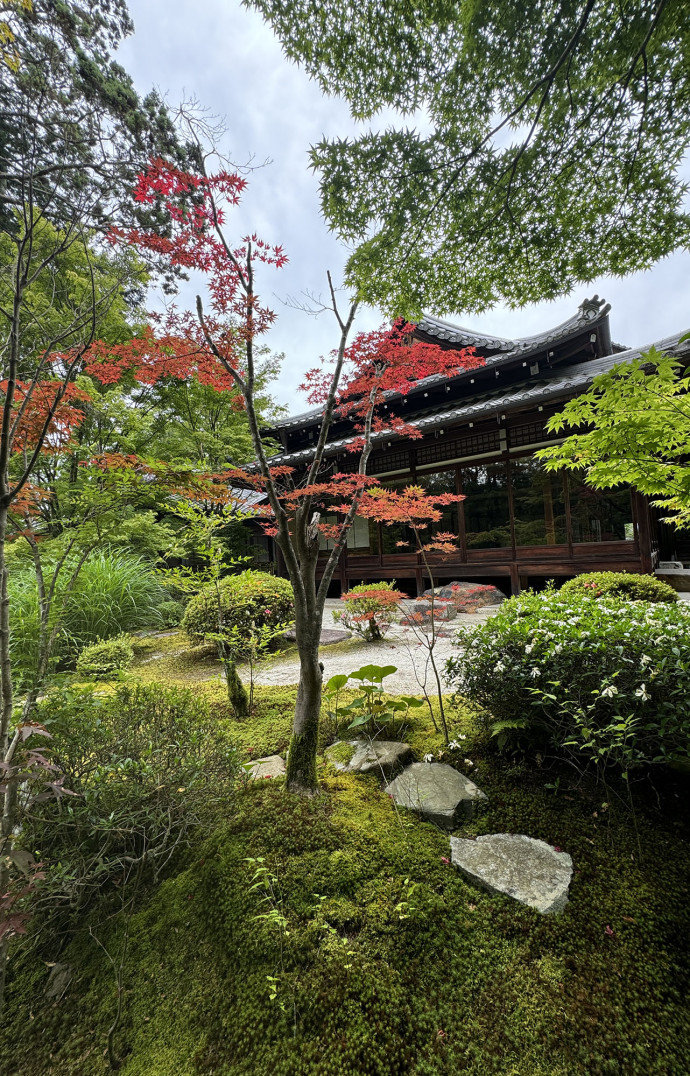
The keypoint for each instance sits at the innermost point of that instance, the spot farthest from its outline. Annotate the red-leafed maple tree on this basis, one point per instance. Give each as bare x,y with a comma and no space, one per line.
218,343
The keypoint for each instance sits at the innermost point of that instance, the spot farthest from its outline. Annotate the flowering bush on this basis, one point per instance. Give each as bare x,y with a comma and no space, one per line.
646,588
605,679
370,609
239,606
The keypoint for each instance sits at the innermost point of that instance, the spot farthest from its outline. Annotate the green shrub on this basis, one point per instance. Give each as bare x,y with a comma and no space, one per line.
114,593
149,766
236,602
604,679
370,609
171,613
105,657
644,588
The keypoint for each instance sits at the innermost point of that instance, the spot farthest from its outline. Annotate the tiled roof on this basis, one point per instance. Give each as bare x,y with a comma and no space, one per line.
570,380
505,351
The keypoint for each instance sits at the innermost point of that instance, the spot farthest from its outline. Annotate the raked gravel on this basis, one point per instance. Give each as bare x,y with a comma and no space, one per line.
401,647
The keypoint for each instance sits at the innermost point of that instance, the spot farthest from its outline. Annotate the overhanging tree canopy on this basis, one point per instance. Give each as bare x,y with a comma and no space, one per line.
544,149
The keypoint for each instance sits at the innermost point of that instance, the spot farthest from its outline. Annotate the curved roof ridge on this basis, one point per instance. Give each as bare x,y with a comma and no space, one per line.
589,311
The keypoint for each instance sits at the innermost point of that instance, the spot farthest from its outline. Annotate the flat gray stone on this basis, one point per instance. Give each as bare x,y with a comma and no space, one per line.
270,766
363,756
59,979
528,870
437,792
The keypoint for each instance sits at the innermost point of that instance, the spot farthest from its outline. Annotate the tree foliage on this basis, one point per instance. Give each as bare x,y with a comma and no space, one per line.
218,344
543,146
632,428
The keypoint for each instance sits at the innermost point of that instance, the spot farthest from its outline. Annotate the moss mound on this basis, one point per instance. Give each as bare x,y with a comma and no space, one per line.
368,955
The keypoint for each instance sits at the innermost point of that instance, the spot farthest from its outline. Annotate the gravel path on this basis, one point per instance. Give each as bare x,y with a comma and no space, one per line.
401,648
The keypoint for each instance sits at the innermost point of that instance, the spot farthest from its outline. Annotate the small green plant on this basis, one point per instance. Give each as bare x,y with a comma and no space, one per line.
106,657
371,710
643,588
370,609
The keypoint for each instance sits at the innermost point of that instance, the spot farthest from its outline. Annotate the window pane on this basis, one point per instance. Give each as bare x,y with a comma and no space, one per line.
538,504
600,515
363,538
487,517
436,483
397,538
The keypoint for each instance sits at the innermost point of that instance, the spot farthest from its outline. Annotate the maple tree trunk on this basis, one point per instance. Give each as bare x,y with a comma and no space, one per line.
301,763
8,799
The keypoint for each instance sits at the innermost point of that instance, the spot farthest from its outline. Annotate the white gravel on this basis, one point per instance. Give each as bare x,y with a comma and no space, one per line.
401,647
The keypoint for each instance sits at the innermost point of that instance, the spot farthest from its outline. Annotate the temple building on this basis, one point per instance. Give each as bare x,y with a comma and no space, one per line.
518,524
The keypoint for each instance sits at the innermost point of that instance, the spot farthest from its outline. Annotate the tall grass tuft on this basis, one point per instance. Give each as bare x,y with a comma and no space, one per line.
115,592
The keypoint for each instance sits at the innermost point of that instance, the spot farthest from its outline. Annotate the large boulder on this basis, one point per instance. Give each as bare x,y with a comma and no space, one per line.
363,756
528,870
468,596
437,792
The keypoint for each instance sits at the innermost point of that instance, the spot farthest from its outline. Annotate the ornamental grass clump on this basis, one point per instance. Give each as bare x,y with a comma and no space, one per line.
370,609
603,680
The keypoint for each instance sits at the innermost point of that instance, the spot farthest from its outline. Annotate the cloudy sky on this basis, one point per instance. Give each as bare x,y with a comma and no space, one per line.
226,58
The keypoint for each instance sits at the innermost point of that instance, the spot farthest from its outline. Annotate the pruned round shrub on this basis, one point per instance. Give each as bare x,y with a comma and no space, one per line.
643,588
602,679
105,657
236,602
370,609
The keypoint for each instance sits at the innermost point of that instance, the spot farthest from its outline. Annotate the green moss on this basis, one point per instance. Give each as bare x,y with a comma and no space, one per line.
341,752
390,962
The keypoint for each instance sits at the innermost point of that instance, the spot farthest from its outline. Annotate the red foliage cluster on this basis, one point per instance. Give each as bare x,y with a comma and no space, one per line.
381,365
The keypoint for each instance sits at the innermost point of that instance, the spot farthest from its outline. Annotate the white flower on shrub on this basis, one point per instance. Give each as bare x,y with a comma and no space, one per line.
454,745
428,758
468,762
535,672
499,667
610,691
645,659
641,693
529,649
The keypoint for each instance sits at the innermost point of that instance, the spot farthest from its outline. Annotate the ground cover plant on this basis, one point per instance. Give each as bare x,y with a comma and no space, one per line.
331,936
601,679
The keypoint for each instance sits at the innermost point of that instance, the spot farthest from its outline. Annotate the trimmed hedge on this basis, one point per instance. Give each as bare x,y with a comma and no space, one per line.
240,600
642,588
105,657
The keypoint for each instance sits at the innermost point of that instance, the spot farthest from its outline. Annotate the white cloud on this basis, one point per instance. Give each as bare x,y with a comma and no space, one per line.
227,58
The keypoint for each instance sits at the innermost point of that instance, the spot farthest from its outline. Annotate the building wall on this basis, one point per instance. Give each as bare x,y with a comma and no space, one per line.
518,524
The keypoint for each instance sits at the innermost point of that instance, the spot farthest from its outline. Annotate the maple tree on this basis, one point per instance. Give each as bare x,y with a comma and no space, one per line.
217,343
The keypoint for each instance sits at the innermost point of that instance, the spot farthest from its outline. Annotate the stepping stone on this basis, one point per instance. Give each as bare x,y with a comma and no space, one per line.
528,870
437,792
363,756
270,766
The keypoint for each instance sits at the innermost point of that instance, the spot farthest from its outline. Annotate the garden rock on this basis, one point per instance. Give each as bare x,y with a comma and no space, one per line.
59,979
437,792
531,871
467,596
270,766
383,756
